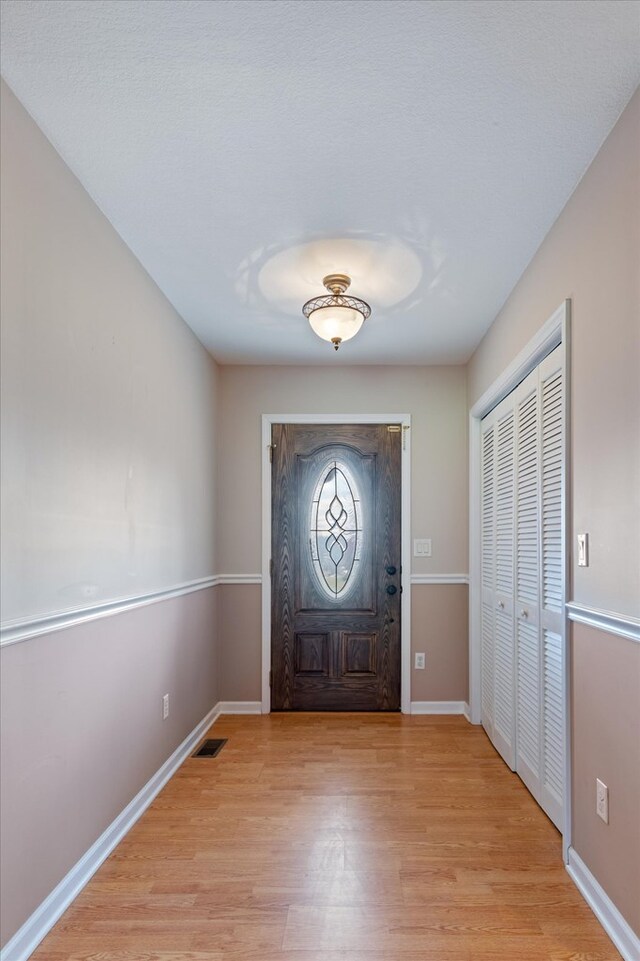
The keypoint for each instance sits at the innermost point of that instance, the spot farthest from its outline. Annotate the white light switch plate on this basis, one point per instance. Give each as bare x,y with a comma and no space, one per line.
602,800
583,550
422,547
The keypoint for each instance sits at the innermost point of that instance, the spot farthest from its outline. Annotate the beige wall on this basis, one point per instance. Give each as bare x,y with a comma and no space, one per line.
109,410
592,255
82,732
108,402
434,396
440,628
240,633
436,399
606,684
112,416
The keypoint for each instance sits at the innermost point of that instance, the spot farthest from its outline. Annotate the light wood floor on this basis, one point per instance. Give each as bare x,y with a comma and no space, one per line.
319,837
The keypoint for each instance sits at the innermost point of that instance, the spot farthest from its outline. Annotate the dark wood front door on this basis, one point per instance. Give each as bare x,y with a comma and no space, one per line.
335,616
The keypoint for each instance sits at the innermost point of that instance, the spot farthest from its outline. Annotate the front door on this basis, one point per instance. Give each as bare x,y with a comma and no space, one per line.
335,616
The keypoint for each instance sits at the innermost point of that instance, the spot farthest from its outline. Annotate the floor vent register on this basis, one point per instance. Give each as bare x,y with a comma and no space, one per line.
210,748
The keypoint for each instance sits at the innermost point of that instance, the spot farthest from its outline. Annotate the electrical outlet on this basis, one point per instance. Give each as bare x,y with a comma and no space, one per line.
419,662
602,800
165,707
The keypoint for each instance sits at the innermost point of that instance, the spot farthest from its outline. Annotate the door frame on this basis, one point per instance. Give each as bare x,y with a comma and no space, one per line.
405,538
556,330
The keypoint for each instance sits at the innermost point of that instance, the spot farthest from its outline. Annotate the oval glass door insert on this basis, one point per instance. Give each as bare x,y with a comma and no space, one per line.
336,530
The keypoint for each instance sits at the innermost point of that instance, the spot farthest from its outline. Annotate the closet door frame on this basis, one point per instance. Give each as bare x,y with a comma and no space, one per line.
555,331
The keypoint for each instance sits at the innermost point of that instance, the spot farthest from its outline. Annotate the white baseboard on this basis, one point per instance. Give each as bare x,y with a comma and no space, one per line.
466,710
28,937
240,707
438,707
623,936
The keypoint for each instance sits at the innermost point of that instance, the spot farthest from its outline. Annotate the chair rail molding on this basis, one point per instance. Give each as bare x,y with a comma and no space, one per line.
608,621
12,632
439,579
239,579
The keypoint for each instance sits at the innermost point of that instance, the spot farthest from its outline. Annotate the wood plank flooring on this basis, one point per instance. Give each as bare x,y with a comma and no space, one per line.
336,837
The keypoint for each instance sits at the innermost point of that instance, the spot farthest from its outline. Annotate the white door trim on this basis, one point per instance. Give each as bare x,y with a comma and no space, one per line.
405,629
555,331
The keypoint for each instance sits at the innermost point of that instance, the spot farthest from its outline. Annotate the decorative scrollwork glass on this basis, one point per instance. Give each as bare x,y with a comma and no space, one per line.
336,530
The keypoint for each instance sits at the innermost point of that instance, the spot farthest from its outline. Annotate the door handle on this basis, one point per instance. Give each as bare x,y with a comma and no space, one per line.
524,612
391,570
392,589
501,605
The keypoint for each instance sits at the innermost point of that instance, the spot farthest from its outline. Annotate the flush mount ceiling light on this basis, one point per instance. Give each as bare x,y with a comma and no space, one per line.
335,317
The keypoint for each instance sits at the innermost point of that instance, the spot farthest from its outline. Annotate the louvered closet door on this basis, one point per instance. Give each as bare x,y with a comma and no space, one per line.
552,435
497,627
527,622
522,566
488,573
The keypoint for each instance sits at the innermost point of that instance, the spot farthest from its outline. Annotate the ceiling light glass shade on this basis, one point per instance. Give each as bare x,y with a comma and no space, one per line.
331,323
335,317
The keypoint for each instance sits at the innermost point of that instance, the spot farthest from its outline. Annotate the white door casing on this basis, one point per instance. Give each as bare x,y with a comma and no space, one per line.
405,639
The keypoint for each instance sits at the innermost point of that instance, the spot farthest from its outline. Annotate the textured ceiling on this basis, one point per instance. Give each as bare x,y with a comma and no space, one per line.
243,149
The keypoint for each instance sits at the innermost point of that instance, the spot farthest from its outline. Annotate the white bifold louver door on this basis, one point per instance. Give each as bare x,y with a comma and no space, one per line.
552,615
522,573
498,692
